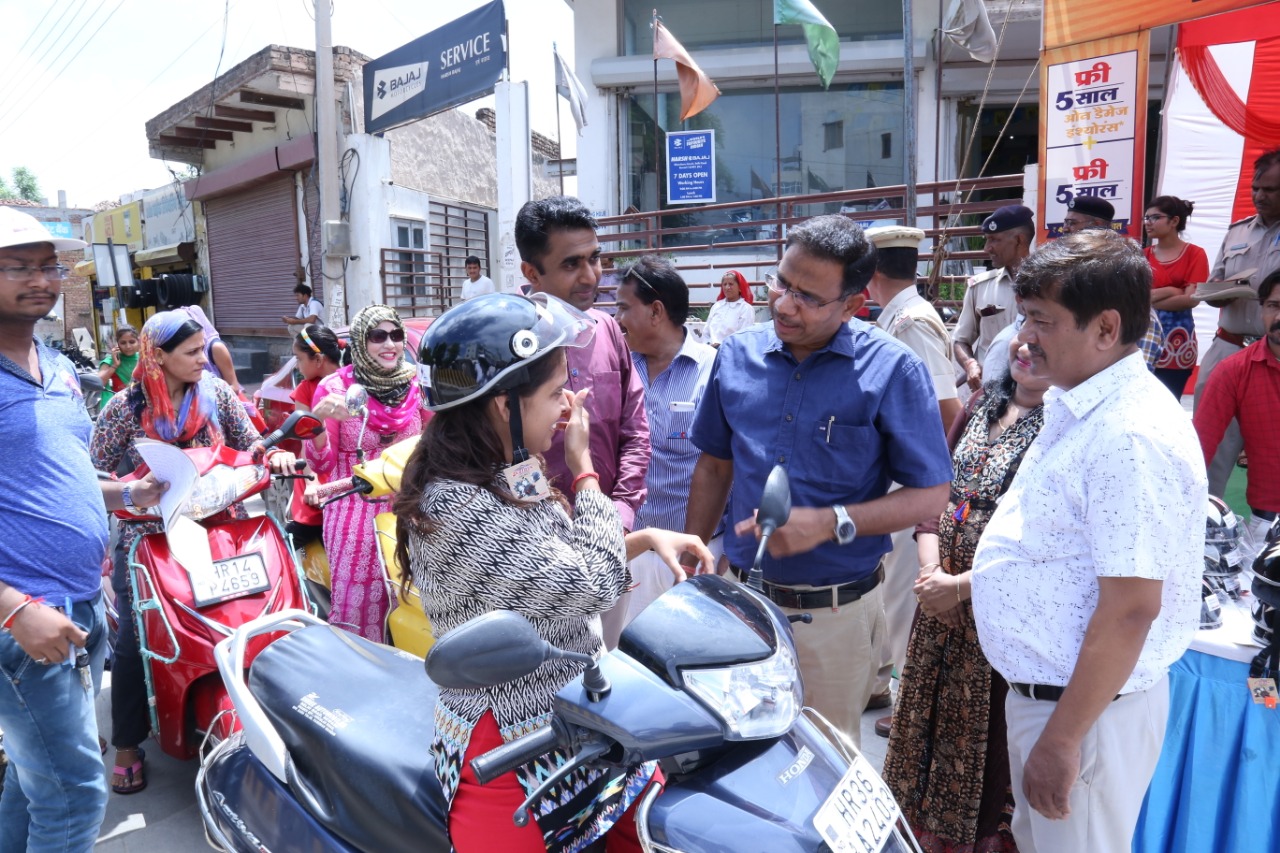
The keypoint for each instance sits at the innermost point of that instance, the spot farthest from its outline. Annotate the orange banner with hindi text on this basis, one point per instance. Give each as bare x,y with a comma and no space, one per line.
1071,21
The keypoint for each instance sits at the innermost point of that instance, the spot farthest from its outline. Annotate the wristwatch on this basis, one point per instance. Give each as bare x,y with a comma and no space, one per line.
846,530
127,499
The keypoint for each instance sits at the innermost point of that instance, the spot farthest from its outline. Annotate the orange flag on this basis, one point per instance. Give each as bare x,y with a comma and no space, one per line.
696,89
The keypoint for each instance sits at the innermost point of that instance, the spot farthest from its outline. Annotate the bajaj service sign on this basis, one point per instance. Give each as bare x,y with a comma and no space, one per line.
459,62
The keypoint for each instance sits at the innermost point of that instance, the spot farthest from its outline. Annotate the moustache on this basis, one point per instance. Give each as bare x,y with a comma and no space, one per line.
1275,327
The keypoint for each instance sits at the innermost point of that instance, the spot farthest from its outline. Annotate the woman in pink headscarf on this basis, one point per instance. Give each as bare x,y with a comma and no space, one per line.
359,593
733,310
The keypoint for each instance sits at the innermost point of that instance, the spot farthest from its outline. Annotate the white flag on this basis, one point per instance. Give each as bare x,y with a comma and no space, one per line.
570,86
973,31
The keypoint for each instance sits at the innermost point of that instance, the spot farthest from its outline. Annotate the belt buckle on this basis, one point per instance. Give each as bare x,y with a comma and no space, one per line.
1031,692
835,599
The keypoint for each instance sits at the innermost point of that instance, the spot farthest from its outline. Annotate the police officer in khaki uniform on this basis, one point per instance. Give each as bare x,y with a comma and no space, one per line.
913,321
988,300
1252,243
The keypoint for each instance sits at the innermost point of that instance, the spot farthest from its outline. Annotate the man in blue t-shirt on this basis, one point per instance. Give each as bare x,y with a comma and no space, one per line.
846,410
53,536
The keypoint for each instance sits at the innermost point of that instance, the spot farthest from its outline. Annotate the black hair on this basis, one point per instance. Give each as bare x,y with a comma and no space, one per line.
325,339
837,238
537,219
1268,284
1171,206
303,289
1090,272
461,444
471,259
1026,230
898,262
126,329
1267,161
999,393
184,331
664,285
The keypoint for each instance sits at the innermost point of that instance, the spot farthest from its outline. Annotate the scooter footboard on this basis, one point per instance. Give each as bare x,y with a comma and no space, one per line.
759,797
246,810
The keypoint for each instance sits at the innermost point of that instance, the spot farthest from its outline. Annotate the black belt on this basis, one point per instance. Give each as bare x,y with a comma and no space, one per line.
826,596
1045,692
1263,514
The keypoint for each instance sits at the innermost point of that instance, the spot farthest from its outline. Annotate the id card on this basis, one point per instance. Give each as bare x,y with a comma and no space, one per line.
1264,692
526,482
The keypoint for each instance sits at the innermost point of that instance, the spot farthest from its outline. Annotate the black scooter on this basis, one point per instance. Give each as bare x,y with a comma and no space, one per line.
333,753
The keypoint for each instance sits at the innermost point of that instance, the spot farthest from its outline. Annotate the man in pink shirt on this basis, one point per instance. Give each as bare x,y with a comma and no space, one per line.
560,255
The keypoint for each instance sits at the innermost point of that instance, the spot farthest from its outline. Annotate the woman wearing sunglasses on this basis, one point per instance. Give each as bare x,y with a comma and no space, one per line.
395,413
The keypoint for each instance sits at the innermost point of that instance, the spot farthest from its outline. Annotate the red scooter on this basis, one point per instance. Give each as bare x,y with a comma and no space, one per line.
187,596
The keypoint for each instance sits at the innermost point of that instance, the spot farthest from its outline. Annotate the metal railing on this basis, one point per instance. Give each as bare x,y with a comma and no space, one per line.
757,228
414,284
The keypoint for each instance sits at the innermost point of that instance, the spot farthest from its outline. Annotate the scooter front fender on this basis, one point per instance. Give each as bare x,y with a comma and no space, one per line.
761,796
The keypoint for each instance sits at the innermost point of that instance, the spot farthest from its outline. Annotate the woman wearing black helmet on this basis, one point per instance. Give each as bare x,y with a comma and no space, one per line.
481,529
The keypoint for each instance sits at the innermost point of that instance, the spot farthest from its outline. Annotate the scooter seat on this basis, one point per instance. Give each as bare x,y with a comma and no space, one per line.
358,720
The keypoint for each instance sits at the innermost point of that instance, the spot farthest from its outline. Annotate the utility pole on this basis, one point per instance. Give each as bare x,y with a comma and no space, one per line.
327,162
911,149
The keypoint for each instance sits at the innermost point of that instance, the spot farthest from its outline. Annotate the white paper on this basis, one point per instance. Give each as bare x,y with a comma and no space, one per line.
170,465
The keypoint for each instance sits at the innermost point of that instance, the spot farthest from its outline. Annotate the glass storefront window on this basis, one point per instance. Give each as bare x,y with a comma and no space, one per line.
849,137
749,23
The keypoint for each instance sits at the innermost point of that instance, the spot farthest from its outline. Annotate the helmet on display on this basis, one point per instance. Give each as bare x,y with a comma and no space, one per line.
1266,576
1273,534
1222,555
484,345
1210,606
1264,623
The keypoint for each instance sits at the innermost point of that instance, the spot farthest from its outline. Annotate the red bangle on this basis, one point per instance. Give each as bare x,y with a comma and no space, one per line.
13,614
584,475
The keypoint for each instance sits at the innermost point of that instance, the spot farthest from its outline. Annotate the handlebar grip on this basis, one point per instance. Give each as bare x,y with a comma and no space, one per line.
328,490
509,756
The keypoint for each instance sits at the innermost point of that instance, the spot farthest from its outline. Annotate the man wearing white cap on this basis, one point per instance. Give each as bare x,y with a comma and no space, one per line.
908,318
53,535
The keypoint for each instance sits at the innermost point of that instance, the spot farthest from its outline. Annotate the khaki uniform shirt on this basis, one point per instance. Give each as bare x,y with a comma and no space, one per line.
991,288
914,322
1248,245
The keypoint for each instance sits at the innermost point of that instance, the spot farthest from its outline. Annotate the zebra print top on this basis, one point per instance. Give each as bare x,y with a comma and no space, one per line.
559,573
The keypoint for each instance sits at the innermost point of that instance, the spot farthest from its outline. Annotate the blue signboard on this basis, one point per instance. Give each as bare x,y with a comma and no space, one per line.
691,166
459,62
59,228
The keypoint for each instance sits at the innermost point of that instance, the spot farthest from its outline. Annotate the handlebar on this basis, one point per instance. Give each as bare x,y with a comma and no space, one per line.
339,489
509,756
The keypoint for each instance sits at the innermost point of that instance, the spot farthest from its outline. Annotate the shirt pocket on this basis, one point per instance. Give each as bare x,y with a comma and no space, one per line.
677,428
842,459
605,400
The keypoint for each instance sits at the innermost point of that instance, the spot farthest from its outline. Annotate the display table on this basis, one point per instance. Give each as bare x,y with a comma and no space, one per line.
1217,786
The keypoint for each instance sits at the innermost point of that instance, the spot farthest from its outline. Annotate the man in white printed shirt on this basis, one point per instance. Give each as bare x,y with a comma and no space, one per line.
1086,581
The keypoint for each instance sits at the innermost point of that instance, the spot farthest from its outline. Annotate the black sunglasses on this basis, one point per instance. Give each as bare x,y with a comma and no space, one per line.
379,336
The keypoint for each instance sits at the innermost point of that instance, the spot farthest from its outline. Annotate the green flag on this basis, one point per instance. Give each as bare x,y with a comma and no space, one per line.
824,43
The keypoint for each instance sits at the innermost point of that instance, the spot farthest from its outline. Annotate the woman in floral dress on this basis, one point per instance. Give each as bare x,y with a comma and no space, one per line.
948,761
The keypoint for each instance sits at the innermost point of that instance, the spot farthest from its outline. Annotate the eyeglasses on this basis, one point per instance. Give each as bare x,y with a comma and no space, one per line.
380,336
633,272
802,299
1154,217
21,275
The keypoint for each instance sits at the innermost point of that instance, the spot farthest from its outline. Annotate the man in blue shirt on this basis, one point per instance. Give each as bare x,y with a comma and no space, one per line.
653,304
53,536
846,409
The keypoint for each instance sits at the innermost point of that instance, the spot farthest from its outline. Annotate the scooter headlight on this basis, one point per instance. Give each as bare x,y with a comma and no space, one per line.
755,700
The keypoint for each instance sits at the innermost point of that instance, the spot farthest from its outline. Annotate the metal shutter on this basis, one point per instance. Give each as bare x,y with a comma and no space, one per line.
253,258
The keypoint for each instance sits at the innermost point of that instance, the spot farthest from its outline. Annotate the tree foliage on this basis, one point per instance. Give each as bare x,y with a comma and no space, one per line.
26,184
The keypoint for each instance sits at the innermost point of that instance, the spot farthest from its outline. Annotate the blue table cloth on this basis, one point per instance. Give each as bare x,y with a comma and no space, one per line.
1217,786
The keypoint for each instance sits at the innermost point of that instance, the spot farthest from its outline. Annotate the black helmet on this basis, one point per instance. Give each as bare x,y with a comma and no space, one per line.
1266,576
483,346
1222,555
1264,623
1210,606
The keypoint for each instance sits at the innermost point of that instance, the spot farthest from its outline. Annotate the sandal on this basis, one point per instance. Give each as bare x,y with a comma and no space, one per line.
134,778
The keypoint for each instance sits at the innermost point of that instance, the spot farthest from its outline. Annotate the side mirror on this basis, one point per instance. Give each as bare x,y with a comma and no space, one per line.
775,503
356,399
489,650
297,425
773,512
